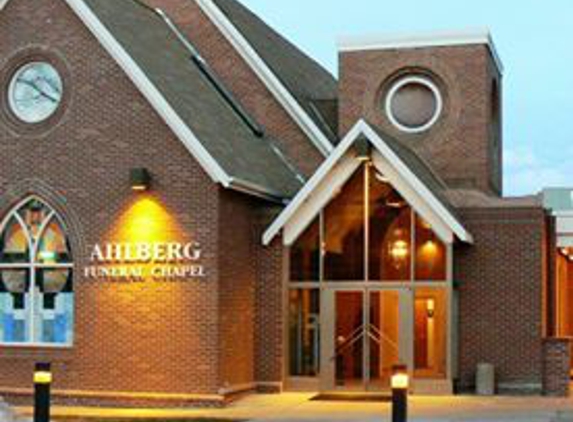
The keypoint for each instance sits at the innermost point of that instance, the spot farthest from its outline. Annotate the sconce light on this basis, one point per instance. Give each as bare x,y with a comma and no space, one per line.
140,179
431,308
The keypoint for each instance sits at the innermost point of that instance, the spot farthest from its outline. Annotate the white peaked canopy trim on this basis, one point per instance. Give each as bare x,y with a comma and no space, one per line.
339,167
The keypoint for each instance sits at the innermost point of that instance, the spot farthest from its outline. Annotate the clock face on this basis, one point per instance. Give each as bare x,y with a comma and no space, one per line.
35,92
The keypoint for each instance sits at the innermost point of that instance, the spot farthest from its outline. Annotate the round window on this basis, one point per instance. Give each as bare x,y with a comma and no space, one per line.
413,104
35,92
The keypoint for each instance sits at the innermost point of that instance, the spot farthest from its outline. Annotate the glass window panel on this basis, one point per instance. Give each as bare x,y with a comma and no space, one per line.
34,213
14,309
53,316
431,253
304,332
54,280
430,329
53,246
344,232
305,255
44,313
14,281
390,225
14,246
349,339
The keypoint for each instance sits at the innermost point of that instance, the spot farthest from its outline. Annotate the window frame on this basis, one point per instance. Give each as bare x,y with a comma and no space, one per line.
31,266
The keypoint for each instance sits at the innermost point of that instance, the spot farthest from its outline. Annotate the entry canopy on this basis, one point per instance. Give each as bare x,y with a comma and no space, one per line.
405,171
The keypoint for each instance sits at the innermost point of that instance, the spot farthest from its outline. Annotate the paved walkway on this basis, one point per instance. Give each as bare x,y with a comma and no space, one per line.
293,407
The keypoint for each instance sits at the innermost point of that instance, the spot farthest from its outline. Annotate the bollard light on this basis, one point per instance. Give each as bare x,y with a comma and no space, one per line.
400,383
42,383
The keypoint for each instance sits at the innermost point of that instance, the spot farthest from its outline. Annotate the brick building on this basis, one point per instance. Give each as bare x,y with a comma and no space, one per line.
193,209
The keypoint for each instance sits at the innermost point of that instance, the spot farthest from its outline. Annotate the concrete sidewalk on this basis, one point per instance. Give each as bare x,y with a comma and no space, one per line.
294,407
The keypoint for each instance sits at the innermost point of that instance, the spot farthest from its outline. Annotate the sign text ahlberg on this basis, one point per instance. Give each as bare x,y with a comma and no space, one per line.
141,261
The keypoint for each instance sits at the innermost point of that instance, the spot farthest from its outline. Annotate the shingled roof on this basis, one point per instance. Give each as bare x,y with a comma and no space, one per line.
167,62
315,89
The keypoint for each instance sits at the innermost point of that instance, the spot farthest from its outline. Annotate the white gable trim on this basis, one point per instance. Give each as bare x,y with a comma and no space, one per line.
266,75
3,3
335,170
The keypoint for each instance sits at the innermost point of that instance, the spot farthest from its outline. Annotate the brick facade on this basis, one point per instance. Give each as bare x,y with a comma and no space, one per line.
128,337
203,341
500,281
556,366
465,145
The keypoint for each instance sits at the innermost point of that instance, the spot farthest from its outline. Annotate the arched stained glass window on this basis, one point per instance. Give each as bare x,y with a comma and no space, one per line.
36,272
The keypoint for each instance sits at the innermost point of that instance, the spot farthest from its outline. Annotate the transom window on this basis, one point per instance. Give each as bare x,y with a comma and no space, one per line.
368,232
36,269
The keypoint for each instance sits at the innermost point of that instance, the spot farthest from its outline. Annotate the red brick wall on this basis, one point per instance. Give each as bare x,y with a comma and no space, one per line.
556,366
461,145
270,299
243,82
500,281
238,244
128,337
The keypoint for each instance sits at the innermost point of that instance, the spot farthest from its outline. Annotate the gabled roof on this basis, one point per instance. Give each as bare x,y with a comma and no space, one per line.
159,63
305,89
406,171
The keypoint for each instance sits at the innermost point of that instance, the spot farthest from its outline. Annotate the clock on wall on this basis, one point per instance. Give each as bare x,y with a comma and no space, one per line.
35,92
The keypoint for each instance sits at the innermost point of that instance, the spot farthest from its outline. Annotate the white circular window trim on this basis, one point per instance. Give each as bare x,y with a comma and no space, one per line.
414,80
15,108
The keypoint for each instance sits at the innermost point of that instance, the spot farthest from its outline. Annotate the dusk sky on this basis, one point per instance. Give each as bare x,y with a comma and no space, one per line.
533,39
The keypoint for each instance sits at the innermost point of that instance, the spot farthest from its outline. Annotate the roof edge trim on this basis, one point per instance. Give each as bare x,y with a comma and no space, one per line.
266,75
362,128
421,40
254,189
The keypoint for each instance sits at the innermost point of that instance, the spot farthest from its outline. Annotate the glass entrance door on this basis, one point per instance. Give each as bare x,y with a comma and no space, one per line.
362,338
349,340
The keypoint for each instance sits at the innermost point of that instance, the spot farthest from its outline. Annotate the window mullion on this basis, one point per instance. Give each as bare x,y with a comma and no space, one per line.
32,311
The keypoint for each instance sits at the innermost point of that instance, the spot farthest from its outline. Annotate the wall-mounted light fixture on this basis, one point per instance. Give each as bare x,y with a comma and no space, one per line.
140,179
431,308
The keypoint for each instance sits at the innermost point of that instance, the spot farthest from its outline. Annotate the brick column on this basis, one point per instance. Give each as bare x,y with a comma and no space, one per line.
556,366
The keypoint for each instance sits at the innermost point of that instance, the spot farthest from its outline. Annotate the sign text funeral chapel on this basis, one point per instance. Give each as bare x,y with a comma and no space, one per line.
145,261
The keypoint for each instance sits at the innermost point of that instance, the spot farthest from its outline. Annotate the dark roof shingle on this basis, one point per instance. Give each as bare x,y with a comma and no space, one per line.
310,84
168,65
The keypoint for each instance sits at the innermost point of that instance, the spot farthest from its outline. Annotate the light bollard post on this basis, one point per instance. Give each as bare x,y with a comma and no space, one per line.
42,384
400,384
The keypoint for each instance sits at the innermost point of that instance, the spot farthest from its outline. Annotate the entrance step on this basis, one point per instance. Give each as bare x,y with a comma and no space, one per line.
353,397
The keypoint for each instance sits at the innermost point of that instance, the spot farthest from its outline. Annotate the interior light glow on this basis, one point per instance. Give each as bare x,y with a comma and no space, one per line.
431,308
399,250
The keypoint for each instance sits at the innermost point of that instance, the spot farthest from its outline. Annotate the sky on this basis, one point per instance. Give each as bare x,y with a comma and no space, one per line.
533,38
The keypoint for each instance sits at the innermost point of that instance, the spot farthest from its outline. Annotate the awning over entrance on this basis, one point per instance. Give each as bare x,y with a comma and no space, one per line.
405,171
